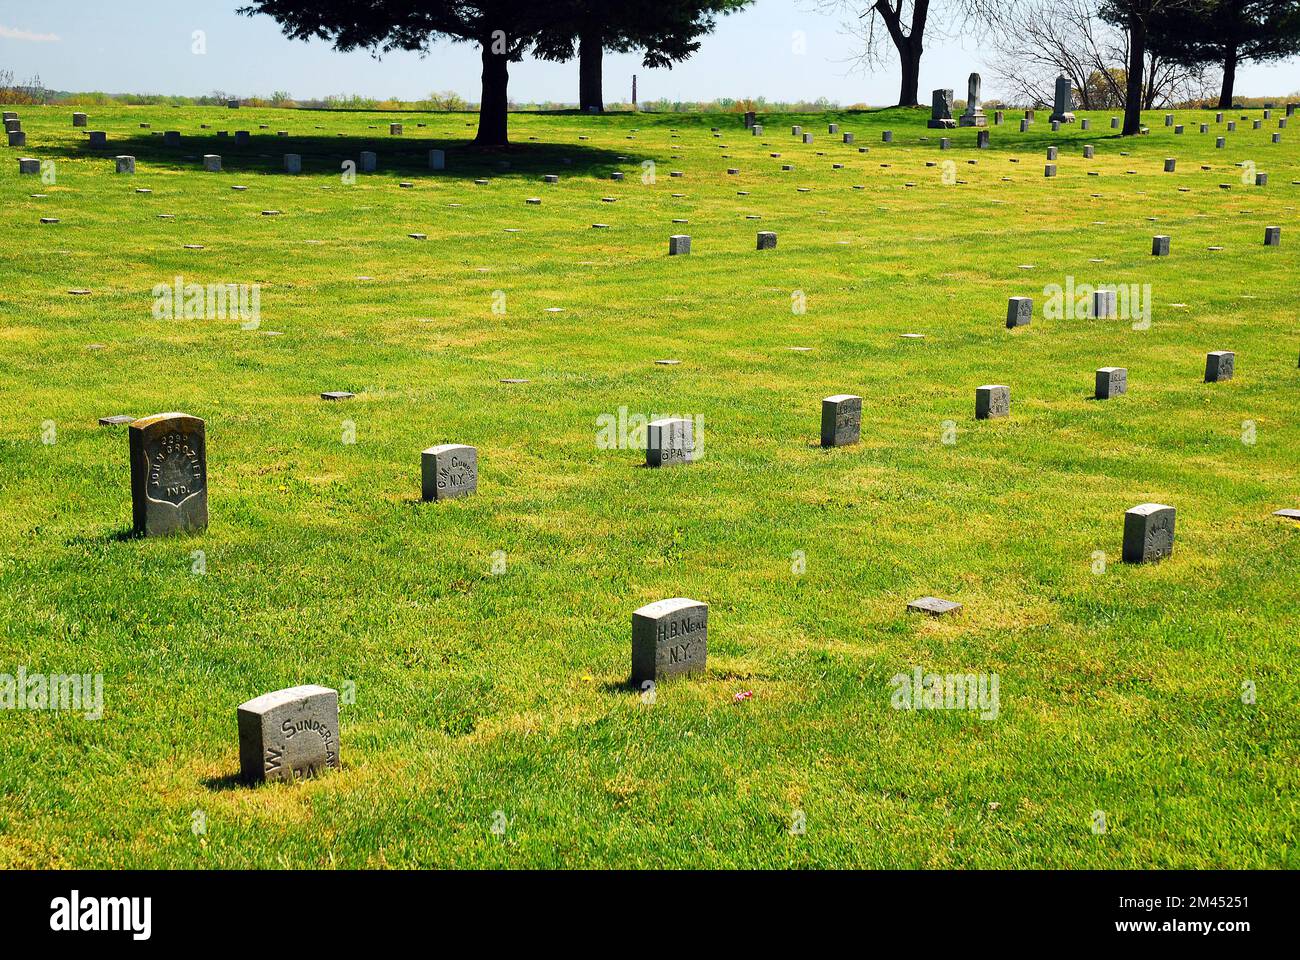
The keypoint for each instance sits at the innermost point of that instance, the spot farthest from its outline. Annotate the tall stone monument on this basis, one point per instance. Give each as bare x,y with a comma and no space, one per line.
1063,112
973,116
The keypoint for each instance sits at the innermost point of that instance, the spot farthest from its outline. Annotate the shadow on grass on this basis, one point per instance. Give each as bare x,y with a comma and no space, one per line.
407,156
231,781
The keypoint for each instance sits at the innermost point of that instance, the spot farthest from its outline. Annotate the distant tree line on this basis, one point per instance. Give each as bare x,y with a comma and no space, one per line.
1119,54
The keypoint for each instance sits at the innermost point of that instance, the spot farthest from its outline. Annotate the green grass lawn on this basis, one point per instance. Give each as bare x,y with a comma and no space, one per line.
1121,688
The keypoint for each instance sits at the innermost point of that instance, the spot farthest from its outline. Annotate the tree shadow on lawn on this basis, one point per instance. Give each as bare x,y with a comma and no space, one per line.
408,157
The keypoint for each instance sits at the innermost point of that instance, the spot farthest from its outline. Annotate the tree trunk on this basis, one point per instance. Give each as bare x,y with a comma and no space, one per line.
1137,51
492,112
910,46
911,62
591,50
1229,79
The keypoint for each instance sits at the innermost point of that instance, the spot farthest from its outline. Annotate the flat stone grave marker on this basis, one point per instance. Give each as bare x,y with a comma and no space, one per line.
116,420
337,395
934,606
449,470
169,475
289,734
669,639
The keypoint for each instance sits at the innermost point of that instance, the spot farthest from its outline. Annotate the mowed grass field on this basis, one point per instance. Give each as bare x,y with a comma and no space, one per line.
500,699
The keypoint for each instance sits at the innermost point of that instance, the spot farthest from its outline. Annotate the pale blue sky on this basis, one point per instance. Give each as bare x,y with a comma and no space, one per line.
144,46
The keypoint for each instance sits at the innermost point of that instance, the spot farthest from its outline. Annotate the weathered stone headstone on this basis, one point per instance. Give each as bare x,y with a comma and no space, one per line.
982,140
1053,153
1063,111
973,115
992,401
17,138
28,165
1111,382
169,475
1105,304
1085,124
998,117
941,110
449,470
1148,533
678,245
945,143
293,163
1024,126
1272,236
124,164
1160,246
211,163
832,128
1170,164
232,104
750,118
807,138
766,240
438,161
243,138
1219,365
670,443
1220,142
171,138
669,639
369,161
1049,170
841,420
394,129
289,734
79,119
1114,123
887,136
848,138
1020,311
1089,151
1056,126
1261,179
